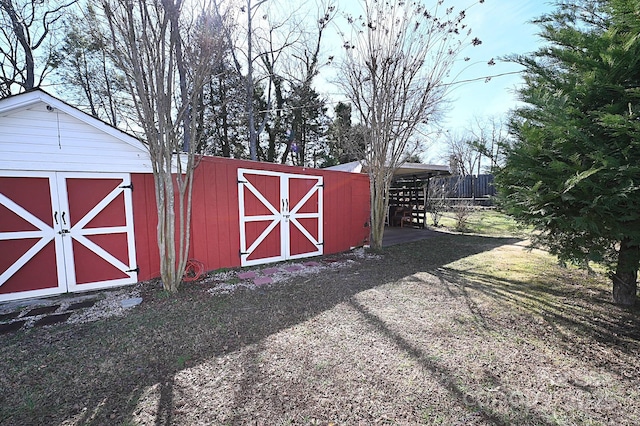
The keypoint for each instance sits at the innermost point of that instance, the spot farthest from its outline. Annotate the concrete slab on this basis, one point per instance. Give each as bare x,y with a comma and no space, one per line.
397,235
129,303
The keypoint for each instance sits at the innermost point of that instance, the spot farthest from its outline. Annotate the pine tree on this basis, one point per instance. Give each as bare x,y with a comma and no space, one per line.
573,171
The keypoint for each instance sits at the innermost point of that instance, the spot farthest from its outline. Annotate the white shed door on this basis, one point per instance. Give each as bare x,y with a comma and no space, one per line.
280,216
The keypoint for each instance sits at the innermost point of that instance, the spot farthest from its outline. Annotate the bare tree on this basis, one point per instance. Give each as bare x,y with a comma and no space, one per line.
462,212
26,30
165,63
479,147
270,40
489,139
250,10
464,158
436,199
303,65
398,57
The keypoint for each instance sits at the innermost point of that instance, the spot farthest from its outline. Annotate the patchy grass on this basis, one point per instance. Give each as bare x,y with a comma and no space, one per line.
457,329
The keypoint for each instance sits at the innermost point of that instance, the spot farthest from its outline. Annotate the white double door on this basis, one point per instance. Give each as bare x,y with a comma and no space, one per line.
280,216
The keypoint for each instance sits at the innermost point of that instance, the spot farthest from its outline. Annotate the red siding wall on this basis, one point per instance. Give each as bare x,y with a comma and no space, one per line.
215,233
145,222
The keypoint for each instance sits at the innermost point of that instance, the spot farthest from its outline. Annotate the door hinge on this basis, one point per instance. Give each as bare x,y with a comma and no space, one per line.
130,186
137,270
242,181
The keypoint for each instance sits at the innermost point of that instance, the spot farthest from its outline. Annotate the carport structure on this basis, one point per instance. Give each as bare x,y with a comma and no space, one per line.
408,195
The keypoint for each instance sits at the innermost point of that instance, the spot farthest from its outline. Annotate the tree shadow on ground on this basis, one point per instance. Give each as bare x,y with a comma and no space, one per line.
444,375
97,373
578,314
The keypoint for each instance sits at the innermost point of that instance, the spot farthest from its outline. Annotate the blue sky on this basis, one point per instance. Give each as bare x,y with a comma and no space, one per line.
504,28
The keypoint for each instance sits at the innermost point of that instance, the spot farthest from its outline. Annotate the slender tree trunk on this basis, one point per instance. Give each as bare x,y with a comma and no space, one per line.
272,135
226,144
107,85
170,280
379,204
253,137
173,9
19,32
624,280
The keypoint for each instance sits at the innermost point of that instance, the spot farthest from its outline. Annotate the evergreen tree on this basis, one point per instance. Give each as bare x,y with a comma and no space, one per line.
337,135
573,171
308,124
222,118
90,79
345,142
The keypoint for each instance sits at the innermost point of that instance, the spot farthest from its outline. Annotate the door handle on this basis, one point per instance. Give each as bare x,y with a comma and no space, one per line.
64,222
55,217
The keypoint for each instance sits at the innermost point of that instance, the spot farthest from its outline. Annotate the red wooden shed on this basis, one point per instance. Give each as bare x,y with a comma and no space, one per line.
247,213
77,205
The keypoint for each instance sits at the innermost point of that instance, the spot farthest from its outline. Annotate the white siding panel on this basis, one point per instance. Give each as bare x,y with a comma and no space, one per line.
27,147
36,139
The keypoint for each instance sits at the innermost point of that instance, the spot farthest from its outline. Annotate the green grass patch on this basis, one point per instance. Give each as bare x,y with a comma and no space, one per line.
484,222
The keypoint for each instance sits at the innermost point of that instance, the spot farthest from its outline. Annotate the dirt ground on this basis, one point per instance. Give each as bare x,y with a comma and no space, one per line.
455,330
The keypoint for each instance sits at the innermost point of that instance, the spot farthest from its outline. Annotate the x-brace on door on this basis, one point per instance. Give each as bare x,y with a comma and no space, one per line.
280,216
64,232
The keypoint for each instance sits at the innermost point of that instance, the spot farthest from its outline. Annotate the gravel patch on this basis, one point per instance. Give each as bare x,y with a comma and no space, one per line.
225,282
109,305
